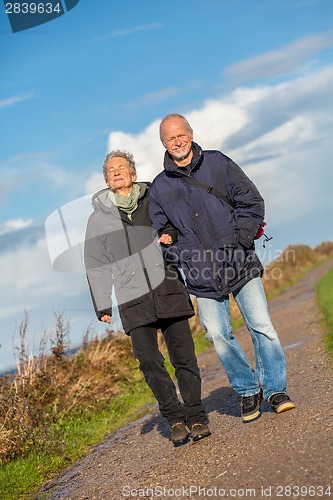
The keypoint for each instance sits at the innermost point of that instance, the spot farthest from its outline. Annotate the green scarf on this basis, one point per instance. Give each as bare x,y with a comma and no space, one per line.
127,204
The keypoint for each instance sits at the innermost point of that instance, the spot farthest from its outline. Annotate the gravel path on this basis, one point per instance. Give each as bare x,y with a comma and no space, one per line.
277,456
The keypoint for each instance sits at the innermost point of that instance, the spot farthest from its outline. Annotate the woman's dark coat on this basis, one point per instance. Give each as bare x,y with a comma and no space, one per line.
120,252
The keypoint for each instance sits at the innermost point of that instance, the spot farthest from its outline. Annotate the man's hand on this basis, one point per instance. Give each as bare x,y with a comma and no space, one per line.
106,318
165,239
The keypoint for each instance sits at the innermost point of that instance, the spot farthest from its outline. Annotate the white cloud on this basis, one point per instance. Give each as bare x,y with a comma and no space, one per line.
29,268
94,183
30,283
14,224
281,61
279,134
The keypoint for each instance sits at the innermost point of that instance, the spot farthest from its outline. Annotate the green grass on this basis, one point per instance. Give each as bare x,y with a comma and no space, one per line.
74,435
324,290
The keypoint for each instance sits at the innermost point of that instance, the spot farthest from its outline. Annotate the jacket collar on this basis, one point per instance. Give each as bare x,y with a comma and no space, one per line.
171,167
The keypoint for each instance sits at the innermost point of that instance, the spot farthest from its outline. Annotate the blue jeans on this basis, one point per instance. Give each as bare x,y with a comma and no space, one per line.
270,369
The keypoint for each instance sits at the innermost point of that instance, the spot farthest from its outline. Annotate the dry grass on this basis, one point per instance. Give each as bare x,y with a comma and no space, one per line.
47,388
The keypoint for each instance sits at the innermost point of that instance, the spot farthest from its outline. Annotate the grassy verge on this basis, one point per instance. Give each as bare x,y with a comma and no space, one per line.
71,437
324,290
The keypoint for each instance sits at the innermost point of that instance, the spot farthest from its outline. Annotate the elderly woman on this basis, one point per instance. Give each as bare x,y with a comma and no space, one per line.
120,252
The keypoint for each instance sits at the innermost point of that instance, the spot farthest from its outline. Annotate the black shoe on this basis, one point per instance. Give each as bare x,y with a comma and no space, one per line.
199,431
179,433
281,402
251,406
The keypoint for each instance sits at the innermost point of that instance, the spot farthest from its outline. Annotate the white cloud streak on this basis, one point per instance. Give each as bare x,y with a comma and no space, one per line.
129,31
281,61
10,101
14,224
154,98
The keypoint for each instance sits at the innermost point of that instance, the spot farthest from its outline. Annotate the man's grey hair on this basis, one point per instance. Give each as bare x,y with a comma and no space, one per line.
117,153
175,115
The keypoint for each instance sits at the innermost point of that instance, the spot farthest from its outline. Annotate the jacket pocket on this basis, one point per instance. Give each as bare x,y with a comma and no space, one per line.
197,266
227,239
129,279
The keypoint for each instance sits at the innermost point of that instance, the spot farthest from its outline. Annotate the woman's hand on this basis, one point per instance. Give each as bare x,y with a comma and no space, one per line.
106,318
165,239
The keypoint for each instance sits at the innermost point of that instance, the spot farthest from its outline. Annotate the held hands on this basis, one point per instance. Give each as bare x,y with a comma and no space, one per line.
106,318
165,239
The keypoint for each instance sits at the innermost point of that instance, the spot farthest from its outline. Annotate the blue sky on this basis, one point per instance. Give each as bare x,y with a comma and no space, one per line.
254,78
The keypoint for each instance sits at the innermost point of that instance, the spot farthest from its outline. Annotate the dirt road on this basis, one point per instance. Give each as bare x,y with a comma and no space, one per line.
277,456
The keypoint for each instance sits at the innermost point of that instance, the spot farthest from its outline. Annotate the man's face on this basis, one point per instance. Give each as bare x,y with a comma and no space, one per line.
119,174
177,139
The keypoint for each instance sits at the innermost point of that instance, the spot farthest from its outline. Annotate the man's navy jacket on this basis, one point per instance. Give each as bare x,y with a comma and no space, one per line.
215,242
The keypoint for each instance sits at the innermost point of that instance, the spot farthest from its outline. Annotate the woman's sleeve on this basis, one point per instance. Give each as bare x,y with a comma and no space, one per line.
98,271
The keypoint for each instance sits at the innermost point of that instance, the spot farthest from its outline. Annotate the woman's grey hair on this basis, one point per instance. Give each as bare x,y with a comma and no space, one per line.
119,154
175,115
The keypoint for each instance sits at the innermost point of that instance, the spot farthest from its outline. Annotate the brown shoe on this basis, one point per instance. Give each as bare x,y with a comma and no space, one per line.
199,431
179,433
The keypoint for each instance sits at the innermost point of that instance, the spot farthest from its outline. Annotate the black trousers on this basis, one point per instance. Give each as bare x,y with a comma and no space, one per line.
179,342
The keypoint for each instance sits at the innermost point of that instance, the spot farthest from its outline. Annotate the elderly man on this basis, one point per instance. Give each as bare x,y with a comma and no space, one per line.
217,211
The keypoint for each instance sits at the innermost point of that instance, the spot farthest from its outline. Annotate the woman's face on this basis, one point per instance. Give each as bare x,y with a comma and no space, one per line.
120,176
